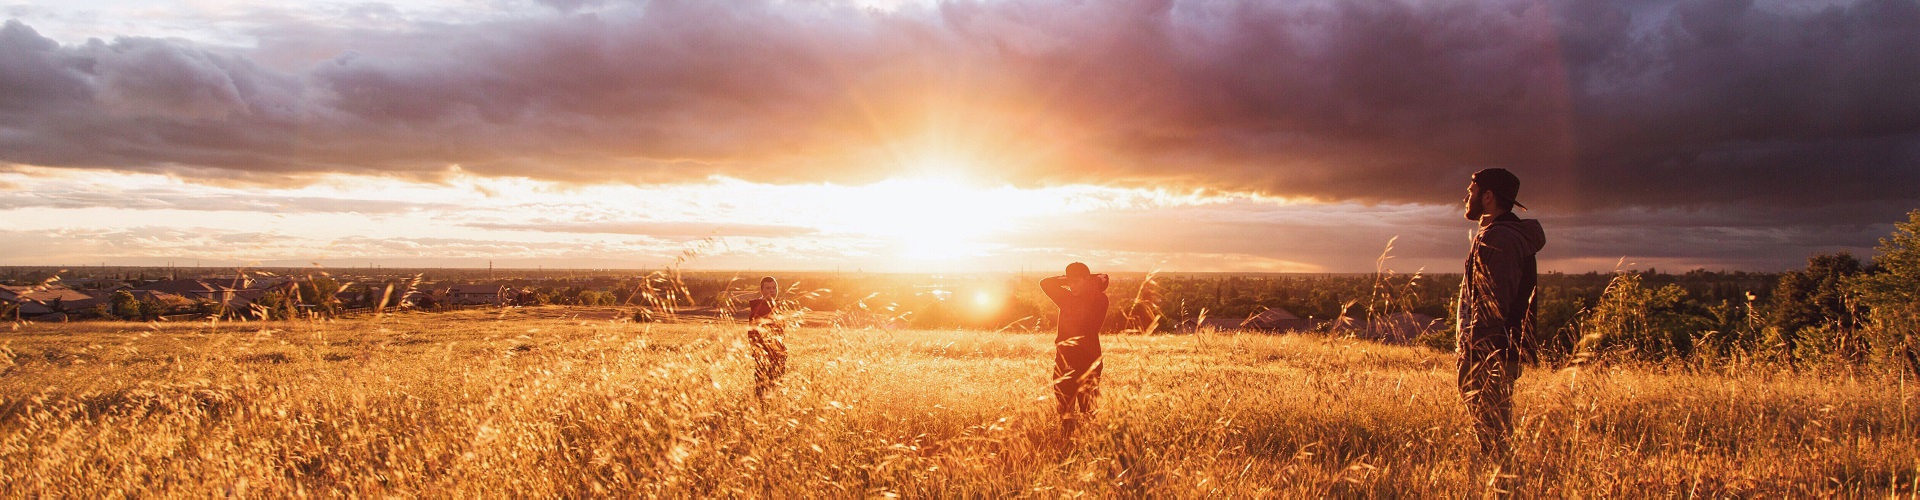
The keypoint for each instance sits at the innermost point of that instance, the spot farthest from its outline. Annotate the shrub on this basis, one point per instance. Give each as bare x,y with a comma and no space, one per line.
1634,320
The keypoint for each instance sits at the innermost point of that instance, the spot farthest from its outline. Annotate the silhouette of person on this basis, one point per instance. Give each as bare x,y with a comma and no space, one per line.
1496,307
1082,298
765,327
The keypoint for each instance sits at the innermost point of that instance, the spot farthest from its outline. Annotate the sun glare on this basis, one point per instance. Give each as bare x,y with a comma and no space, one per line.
939,216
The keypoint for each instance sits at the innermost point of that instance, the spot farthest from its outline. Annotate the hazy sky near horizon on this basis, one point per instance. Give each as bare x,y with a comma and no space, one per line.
988,135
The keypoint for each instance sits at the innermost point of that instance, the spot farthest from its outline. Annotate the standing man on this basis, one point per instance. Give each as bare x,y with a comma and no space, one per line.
1496,306
1082,297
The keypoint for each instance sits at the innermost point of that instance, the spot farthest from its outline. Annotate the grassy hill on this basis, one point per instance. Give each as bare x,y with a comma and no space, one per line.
534,402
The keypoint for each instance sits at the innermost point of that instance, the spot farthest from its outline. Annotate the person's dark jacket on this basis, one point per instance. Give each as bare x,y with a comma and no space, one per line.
759,308
1496,297
1081,317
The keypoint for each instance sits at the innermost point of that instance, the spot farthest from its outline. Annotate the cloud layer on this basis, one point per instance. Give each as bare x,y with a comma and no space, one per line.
67,217
1599,104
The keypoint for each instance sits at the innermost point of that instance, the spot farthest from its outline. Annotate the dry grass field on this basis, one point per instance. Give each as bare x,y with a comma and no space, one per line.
534,403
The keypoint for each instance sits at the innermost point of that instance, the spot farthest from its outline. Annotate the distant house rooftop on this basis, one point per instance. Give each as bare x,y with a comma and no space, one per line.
181,287
476,289
1277,319
156,296
473,293
193,289
54,293
50,299
12,293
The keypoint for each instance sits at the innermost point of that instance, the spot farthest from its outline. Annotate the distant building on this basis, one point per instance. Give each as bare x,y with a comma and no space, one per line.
9,293
49,299
195,289
478,294
242,303
1275,319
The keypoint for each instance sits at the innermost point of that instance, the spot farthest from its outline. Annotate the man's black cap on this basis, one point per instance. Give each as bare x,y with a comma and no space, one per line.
1501,182
1077,269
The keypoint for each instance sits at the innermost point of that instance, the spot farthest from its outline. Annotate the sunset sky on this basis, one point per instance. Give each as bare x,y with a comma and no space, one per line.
957,136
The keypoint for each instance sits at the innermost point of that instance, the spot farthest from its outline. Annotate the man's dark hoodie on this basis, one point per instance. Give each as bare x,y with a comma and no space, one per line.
1496,298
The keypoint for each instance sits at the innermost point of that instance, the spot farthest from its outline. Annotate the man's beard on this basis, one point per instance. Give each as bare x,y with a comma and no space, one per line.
1473,210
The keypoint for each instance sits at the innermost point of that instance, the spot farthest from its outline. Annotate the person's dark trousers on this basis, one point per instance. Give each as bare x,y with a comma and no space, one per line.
1076,386
1486,385
769,361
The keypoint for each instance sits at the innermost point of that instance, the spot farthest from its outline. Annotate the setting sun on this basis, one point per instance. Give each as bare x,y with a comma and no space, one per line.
928,218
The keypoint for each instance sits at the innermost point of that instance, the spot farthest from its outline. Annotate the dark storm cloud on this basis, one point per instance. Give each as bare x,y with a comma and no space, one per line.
1353,238
1729,105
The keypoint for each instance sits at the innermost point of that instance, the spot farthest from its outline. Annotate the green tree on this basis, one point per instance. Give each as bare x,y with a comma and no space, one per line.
153,309
319,292
125,305
1892,291
1818,297
274,305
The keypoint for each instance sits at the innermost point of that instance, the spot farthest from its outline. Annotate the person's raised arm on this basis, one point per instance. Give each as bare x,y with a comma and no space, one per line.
1056,289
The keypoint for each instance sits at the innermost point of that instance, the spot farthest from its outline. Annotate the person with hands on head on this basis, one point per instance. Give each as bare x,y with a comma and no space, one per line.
1077,363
